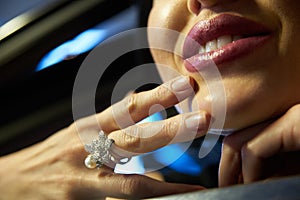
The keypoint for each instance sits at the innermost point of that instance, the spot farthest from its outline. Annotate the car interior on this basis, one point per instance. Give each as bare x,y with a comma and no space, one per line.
36,83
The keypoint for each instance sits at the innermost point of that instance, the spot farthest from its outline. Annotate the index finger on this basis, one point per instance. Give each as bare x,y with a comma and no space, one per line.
140,105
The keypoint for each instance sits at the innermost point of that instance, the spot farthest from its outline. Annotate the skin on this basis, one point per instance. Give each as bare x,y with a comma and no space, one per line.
247,157
256,84
260,87
54,169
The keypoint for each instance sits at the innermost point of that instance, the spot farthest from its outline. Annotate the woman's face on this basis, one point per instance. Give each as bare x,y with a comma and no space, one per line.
254,43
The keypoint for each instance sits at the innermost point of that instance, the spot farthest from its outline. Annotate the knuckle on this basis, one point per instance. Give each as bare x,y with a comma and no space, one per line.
229,140
295,110
131,185
170,129
160,93
72,128
246,151
290,137
132,140
290,130
226,140
132,103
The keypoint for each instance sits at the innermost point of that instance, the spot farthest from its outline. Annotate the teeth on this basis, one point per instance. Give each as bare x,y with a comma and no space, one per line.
223,40
202,49
211,45
218,43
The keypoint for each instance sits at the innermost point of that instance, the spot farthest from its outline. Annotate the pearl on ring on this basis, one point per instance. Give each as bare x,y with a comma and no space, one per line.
99,151
89,162
101,154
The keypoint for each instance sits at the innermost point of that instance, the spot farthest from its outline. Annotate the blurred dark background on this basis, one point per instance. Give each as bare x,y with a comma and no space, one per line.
36,94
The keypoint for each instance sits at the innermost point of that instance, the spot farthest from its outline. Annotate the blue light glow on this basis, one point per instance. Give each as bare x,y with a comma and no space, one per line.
89,39
169,154
172,156
152,118
136,163
80,44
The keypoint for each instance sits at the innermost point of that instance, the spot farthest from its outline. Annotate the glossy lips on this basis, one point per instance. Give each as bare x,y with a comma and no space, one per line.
222,39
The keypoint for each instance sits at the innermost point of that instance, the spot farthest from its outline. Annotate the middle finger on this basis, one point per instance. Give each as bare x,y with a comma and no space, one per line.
143,138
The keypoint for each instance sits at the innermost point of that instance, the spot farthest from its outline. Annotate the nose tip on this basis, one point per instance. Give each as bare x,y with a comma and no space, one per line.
207,3
196,5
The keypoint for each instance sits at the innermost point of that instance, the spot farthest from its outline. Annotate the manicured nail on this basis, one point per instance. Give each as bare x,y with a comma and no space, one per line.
181,83
196,122
182,87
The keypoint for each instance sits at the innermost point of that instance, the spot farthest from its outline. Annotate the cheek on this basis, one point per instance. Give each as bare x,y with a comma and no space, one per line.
171,14
241,108
246,102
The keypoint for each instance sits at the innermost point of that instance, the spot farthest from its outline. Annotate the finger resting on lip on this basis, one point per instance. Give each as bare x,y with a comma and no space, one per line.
143,138
137,106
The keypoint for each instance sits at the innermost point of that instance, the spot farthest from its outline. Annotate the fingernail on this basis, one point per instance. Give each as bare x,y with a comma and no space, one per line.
196,122
182,83
182,87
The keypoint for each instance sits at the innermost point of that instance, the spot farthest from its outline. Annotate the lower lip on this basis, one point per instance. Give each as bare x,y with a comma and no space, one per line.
228,53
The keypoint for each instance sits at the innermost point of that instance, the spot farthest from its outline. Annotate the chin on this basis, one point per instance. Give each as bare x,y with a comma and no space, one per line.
238,109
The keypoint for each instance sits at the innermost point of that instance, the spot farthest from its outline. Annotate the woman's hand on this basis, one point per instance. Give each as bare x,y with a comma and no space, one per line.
263,151
54,169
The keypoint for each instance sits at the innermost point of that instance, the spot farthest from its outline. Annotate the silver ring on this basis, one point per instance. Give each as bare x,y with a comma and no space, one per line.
100,153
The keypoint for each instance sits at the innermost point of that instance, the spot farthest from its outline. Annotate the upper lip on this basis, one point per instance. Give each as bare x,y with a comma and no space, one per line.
224,24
